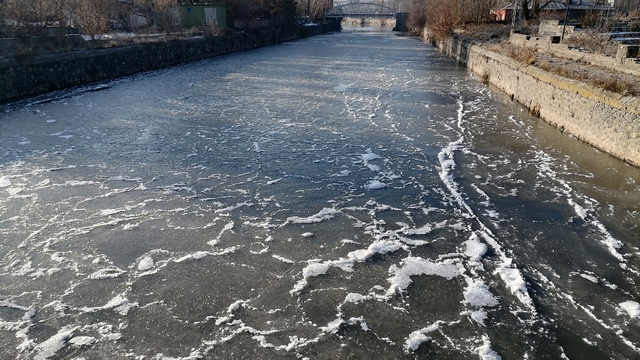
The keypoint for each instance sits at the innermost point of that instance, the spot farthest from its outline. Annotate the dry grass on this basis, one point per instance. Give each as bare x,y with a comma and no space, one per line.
617,83
592,43
524,55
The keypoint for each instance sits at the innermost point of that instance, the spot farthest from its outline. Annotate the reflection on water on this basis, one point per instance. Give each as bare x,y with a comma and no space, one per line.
352,195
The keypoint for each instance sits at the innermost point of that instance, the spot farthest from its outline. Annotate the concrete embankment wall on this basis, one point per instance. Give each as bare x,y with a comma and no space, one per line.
22,76
606,120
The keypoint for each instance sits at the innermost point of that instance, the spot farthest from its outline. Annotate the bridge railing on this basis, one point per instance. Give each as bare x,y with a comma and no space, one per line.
360,10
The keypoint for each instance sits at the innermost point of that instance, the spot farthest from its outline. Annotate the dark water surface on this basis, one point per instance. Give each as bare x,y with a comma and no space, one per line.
349,196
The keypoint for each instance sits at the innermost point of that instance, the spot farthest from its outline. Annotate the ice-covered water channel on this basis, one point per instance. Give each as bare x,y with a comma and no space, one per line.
354,195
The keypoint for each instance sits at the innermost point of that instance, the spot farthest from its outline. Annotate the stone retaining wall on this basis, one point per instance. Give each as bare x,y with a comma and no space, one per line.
606,120
22,76
626,59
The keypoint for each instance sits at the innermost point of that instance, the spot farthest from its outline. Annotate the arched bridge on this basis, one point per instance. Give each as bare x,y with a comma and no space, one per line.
360,10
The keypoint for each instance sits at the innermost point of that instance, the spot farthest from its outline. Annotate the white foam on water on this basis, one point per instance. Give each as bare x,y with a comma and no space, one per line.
589,277
506,269
324,214
416,338
341,88
111,272
479,316
234,207
333,326
283,259
631,307
145,263
375,185
119,304
477,294
474,248
227,227
516,284
486,352
5,182
50,347
370,156
317,268
377,247
423,230
413,266
356,298
612,244
374,167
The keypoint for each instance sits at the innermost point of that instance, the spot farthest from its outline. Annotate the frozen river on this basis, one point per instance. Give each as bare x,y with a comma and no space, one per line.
347,196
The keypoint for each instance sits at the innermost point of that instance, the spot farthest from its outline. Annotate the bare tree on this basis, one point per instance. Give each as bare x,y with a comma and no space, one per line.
442,17
531,8
93,16
34,15
139,14
166,14
3,19
312,8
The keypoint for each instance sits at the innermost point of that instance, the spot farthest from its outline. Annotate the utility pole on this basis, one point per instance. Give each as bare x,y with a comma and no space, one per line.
566,17
514,5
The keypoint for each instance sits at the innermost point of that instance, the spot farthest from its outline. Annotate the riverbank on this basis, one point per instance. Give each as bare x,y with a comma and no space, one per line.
29,75
607,120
